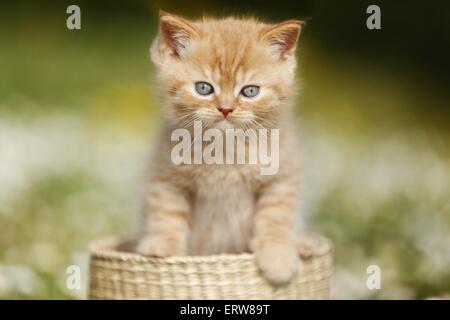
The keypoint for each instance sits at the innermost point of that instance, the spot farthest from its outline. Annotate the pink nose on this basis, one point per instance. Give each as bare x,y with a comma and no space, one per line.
225,111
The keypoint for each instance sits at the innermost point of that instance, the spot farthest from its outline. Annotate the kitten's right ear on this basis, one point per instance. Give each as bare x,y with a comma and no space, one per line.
174,36
283,37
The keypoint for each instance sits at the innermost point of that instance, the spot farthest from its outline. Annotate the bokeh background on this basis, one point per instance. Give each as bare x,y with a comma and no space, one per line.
78,116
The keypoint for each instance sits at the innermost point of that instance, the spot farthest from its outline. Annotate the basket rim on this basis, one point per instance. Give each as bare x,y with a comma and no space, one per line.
105,248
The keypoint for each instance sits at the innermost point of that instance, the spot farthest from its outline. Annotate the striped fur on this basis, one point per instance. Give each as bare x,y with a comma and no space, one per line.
211,209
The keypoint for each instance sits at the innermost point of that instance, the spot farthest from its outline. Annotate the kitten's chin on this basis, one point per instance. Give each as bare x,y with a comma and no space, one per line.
224,124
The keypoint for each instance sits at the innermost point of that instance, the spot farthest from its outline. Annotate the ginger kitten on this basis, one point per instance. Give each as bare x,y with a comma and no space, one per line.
228,73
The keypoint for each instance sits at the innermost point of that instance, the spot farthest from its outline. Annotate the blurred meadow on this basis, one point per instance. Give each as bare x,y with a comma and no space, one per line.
78,116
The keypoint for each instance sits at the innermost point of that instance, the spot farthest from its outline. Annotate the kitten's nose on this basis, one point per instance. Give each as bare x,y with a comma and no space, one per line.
225,111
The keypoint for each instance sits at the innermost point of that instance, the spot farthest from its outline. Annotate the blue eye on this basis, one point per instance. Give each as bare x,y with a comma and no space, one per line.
250,91
204,88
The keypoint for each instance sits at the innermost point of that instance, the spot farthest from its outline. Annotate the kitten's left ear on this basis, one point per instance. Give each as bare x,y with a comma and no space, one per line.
283,37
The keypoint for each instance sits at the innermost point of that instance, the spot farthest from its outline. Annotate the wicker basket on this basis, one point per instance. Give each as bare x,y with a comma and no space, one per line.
117,273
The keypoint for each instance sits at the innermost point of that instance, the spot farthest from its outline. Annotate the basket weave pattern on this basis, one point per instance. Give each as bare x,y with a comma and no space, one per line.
117,274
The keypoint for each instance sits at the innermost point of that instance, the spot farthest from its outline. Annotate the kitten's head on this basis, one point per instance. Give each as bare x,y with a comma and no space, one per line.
226,73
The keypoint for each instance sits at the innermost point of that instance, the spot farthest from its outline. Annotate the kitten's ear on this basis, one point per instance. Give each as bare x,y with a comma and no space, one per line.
174,35
283,37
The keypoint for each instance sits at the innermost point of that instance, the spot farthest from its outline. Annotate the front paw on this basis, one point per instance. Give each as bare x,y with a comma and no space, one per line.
278,262
156,246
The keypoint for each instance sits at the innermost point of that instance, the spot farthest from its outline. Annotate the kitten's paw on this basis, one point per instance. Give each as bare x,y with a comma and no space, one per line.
278,262
305,247
159,247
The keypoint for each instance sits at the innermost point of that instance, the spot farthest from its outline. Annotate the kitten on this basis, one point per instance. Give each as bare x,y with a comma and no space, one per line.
205,69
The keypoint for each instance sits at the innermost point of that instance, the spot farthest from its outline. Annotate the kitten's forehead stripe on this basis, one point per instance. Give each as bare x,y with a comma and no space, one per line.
216,75
231,43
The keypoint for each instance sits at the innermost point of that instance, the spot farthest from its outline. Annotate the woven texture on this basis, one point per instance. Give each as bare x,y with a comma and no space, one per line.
118,274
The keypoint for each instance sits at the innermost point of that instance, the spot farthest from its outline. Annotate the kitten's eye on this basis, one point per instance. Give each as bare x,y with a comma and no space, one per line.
204,88
250,91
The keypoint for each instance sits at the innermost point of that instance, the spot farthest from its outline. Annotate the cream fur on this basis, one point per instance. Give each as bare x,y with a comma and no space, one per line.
211,209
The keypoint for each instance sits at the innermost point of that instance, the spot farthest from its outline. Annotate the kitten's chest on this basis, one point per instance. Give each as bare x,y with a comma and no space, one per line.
222,211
